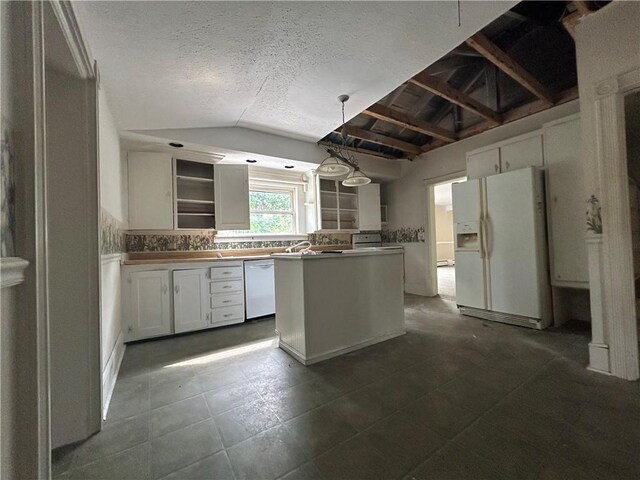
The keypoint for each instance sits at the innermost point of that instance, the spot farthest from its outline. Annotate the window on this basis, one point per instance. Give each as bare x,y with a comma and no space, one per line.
272,211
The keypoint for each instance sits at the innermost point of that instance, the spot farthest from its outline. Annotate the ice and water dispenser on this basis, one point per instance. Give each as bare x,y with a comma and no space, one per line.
468,236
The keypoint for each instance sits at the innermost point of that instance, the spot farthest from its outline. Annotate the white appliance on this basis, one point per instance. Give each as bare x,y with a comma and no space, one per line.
259,288
501,248
366,240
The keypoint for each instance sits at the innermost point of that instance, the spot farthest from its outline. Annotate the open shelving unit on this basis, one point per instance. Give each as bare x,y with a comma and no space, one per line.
194,200
338,206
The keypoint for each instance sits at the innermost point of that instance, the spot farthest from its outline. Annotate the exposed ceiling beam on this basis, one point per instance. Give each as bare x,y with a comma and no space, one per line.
570,21
582,7
403,120
508,65
364,151
519,112
382,140
446,91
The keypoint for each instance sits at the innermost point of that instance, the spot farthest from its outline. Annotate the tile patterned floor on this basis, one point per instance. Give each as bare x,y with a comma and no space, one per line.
447,282
455,398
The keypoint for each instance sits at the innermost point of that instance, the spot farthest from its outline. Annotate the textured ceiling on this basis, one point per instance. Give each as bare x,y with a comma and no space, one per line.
271,66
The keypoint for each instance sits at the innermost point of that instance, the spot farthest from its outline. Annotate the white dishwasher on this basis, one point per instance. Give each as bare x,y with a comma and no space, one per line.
259,288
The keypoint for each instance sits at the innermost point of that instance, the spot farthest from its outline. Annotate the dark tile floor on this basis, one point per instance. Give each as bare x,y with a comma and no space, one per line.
455,398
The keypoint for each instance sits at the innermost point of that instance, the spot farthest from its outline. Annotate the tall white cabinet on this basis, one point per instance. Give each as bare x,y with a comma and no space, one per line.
566,203
369,207
150,191
232,197
555,148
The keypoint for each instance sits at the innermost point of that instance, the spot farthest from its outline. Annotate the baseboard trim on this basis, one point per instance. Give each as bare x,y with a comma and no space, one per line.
110,373
341,351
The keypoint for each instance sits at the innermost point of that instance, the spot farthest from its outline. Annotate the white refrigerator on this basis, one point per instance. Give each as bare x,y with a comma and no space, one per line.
501,248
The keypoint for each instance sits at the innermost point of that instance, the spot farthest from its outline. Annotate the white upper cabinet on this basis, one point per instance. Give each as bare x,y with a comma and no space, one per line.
150,191
483,163
566,203
231,184
526,152
147,301
519,152
369,207
190,300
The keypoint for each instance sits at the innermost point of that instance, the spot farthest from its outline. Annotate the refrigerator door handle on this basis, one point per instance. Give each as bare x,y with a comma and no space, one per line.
485,237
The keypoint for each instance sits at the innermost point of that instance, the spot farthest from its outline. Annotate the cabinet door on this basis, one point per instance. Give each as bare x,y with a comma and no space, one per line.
232,197
369,207
190,300
483,164
566,204
523,153
149,312
150,191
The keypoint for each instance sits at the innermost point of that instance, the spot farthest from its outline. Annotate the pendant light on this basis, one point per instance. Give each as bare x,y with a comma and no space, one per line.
340,162
356,179
332,167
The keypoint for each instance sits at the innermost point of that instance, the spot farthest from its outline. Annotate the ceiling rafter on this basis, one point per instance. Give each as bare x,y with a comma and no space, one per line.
382,140
481,43
365,151
520,112
403,120
457,97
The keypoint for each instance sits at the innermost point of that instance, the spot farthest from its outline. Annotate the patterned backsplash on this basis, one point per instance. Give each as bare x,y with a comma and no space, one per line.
202,242
112,235
8,194
403,235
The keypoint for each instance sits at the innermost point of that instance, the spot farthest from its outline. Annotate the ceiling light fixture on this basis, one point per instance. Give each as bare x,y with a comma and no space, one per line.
340,162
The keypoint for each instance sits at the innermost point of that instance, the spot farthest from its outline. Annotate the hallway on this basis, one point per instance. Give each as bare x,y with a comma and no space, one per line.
455,397
447,282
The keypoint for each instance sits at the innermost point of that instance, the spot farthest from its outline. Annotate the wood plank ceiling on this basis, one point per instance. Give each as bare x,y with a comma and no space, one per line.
522,63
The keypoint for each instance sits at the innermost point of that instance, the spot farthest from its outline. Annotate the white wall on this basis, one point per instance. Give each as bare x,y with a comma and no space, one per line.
407,198
114,201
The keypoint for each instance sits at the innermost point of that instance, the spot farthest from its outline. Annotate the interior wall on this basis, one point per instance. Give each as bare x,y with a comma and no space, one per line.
72,211
444,233
407,197
19,379
114,220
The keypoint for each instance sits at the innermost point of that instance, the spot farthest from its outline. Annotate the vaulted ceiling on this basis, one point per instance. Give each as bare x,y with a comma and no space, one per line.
521,63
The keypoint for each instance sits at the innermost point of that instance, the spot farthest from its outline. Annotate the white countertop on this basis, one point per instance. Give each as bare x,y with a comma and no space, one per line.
394,250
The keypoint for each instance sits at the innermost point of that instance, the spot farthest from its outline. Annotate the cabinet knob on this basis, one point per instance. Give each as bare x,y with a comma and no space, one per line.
165,289
495,168
507,165
176,289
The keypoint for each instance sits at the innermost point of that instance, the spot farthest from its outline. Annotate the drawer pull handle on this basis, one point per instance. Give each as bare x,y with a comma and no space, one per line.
227,286
226,301
227,273
228,315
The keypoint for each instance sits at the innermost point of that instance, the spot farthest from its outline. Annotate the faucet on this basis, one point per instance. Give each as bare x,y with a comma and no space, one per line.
304,243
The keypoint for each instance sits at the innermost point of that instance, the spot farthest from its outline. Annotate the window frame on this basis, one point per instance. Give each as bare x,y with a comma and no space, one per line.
275,187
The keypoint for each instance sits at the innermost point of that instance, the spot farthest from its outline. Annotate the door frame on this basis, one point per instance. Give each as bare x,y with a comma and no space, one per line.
430,229
614,344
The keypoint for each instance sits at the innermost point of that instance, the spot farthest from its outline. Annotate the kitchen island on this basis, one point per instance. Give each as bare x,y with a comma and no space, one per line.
328,304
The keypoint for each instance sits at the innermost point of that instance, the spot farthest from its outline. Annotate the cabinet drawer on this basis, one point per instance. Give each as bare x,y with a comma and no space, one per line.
225,314
224,273
226,287
226,300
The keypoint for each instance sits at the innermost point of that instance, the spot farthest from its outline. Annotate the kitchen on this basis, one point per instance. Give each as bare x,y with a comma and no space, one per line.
234,172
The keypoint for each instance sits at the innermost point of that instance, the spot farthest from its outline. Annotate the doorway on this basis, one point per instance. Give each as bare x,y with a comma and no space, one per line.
442,242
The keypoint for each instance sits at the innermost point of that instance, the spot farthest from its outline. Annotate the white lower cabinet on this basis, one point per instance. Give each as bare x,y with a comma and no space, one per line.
180,298
147,303
190,300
